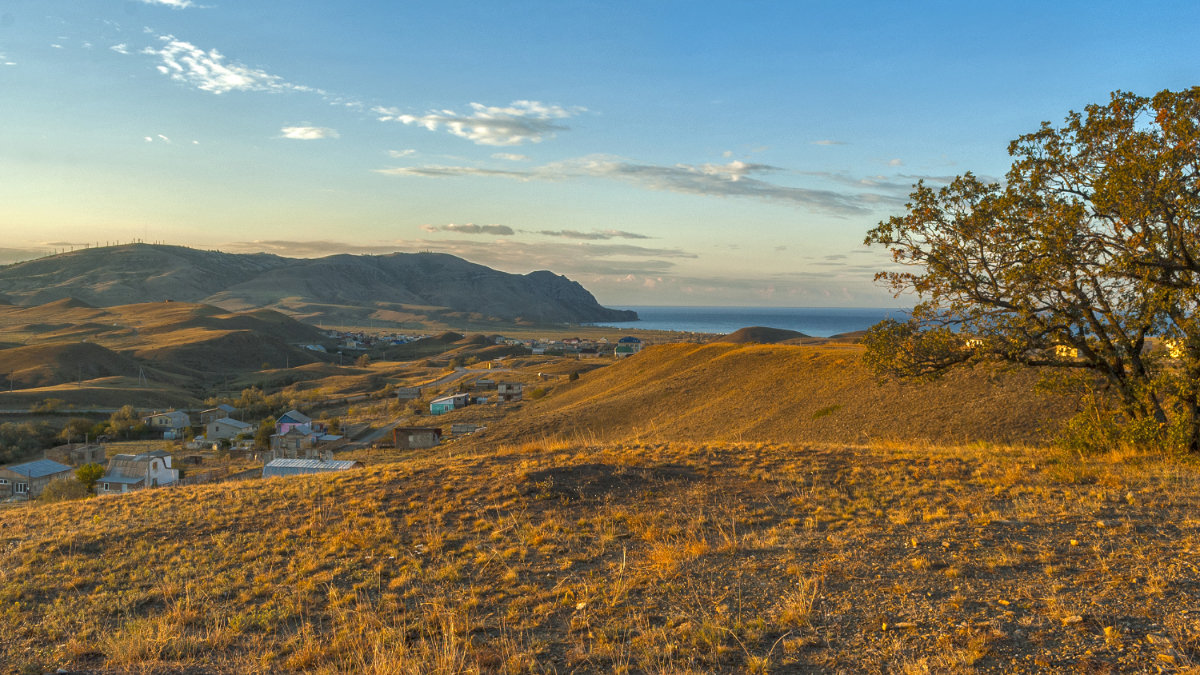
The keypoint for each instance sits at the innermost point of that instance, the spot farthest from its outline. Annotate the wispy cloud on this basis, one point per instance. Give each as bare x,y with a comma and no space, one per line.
470,228
177,4
442,171
308,133
120,49
735,179
518,123
511,156
211,71
595,235
828,141
398,154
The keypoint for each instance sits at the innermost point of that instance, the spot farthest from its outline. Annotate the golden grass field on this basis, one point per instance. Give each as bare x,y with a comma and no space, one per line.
787,394
625,558
571,536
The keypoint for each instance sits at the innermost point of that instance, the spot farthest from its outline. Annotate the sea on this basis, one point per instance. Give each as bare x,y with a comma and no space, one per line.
814,321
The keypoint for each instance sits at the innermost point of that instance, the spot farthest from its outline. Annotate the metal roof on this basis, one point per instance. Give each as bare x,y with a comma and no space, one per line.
293,467
39,468
120,478
294,416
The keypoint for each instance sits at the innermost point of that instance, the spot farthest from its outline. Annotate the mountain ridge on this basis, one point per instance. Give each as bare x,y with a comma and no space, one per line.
136,273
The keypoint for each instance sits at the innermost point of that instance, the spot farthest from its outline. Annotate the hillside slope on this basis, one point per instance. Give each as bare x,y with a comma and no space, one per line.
429,282
785,393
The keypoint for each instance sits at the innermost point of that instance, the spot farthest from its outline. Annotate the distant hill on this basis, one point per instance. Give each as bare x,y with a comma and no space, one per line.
759,335
786,394
417,284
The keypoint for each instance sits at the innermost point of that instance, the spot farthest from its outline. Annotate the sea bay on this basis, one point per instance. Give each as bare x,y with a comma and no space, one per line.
813,321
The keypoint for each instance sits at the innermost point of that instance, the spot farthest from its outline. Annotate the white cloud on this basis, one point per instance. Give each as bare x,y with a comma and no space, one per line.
397,154
895,162
735,179
520,122
511,157
470,228
177,4
308,133
595,235
120,49
828,142
209,71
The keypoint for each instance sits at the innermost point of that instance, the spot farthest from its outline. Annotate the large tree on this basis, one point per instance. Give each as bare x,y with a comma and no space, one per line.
1085,257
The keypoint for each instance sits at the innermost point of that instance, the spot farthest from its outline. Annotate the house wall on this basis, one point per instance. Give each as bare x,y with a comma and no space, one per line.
33,486
416,439
221,428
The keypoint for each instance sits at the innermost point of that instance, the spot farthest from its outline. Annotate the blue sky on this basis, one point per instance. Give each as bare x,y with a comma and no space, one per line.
657,152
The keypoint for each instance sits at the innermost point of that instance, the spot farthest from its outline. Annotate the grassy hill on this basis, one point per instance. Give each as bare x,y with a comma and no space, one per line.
346,287
786,394
663,558
144,348
687,551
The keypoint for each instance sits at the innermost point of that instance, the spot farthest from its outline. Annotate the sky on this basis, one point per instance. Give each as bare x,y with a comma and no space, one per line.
658,152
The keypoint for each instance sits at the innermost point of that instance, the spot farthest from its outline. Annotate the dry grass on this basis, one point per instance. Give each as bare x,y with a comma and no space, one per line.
787,394
662,558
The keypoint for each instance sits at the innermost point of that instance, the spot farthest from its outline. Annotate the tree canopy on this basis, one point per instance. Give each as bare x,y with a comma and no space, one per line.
1085,257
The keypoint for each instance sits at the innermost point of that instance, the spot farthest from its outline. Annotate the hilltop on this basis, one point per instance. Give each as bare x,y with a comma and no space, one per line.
760,335
163,353
397,287
786,394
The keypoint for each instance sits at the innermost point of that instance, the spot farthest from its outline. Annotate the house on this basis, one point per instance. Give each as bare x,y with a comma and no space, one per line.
77,454
227,427
628,346
446,404
289,419
29,479
134,472
294,467
408,393
485,383
172,424
412,438
219,412
301,441
509,391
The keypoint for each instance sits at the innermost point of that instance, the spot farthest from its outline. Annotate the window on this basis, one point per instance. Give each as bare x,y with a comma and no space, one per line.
106,487
3,481
22,488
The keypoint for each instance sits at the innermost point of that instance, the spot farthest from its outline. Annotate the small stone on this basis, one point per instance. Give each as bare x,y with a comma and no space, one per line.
1072,620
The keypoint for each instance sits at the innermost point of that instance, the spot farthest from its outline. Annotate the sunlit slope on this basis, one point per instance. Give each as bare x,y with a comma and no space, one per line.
786,393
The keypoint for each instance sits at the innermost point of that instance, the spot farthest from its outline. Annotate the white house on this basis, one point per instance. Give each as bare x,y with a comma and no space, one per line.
227,427
172,424
133,472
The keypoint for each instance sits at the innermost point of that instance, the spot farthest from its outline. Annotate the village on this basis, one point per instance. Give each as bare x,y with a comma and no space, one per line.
187,447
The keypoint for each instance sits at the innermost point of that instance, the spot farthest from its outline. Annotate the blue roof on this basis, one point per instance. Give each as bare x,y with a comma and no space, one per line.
39,468
629,338
293,467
